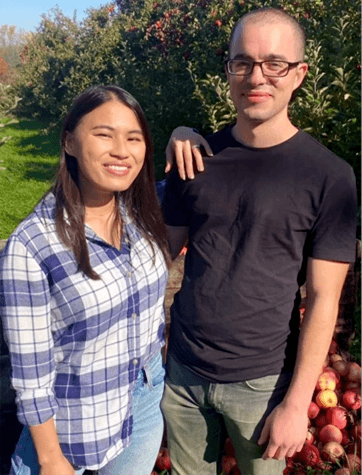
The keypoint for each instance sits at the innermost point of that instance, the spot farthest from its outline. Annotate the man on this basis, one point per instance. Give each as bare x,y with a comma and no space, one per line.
272,210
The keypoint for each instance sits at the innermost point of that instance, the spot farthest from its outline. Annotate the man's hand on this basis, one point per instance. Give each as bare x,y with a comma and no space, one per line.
58,466
286,429
184,146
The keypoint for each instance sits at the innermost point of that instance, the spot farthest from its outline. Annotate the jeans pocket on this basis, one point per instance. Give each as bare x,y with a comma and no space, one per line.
270,383
155,372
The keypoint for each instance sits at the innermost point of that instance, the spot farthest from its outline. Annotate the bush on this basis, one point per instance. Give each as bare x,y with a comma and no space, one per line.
170,55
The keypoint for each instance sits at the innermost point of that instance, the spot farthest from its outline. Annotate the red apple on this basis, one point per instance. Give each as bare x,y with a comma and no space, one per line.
354,373
351,400
337,416
345,437
333,348
313,410
353,462
342,471
330,433
352,385
334,358
342,367
163,461
321,419
229,448
309,455
332,452
228,463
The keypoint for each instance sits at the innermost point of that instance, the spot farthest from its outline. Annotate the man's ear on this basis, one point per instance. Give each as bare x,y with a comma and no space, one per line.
302,70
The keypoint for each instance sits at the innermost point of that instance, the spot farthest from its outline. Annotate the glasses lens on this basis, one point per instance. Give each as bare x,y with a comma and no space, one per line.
275,68
238,66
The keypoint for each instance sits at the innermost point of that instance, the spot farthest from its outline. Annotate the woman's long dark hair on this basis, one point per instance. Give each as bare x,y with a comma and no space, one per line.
140,198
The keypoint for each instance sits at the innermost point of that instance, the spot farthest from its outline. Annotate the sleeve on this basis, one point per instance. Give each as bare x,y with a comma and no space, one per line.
333,236
175,208
25,311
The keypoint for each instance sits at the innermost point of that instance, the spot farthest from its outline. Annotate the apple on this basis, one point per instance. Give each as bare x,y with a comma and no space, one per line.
334,358
334,374
326,398
309,455
229,448
326,381
332,452
352,385
228,463
342,471
351,400
345,437
337,416
313,410
163,461
321,419
354,373
353,462
330,433
333,348
342,368
310,438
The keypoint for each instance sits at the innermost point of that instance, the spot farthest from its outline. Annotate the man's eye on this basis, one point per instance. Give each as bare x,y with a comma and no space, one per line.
275,65
102,135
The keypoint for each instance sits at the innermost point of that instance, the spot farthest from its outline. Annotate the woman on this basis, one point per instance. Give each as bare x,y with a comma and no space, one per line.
83,281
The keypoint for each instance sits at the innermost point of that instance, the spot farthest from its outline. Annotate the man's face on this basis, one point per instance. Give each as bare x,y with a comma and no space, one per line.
259,98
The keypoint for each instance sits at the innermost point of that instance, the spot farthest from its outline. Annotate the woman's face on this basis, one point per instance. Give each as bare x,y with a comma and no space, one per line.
110,149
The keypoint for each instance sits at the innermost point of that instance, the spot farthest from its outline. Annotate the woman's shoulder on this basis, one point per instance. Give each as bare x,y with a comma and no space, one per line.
38,223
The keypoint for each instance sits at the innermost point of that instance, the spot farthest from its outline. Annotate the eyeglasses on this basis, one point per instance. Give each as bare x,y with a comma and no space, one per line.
273,69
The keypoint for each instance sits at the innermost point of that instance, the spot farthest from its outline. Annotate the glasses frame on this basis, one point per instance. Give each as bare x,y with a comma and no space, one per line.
253,63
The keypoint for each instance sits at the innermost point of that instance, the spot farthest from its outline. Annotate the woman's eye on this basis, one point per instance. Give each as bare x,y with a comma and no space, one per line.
102,135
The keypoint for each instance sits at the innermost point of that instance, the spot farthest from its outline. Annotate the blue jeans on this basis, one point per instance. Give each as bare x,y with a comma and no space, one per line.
197,412
140,456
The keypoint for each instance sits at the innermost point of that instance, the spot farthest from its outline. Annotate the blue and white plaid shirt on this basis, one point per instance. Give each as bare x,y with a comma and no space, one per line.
77,344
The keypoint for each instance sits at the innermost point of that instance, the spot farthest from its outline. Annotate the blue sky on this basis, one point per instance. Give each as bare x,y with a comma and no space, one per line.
26,14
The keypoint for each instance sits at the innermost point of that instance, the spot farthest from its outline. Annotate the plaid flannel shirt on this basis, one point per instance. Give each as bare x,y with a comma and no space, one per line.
77,344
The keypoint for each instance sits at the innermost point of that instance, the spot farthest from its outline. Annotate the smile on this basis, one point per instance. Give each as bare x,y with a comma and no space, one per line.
257,97
118,170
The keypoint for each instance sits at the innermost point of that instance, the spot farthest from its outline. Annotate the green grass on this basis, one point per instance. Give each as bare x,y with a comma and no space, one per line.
28,164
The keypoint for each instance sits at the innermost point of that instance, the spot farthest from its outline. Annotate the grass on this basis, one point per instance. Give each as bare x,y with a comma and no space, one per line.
28,162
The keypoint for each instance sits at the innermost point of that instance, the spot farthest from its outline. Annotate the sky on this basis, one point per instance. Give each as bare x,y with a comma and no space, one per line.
26,14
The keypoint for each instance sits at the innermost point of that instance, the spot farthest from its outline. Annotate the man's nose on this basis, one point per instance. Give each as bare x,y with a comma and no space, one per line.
257,76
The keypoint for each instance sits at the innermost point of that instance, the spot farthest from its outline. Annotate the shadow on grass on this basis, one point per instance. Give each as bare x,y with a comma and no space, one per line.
41,171
44,142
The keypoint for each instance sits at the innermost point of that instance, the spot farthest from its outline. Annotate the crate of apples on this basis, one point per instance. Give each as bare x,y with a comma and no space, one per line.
333,443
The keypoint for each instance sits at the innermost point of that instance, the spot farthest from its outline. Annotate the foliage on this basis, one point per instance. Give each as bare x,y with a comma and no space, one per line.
169,55
8,103
12,41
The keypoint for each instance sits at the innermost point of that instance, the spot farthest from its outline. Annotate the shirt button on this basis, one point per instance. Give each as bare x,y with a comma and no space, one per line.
129,274
134,316
135,362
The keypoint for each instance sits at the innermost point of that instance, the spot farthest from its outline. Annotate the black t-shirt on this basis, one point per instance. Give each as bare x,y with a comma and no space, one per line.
254,217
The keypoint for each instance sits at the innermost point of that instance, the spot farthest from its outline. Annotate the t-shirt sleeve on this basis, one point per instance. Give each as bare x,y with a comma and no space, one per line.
333,236
174,205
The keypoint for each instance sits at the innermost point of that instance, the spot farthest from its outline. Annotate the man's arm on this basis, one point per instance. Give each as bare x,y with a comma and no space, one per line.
286,426
177,236
184,148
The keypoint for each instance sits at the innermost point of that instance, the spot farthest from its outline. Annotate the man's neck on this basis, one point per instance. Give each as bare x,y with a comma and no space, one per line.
263,135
